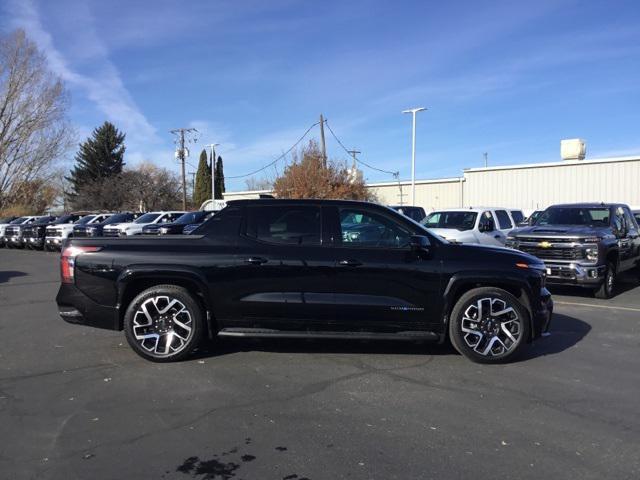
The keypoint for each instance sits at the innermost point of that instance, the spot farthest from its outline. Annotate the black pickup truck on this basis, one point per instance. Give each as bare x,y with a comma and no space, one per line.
585,244
305,268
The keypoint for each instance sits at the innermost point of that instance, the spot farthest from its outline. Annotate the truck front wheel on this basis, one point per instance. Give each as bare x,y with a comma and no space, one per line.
164,323
607,289
489,325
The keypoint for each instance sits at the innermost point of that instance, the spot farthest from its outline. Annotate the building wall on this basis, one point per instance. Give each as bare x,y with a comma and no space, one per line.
430,194
528,187
538,186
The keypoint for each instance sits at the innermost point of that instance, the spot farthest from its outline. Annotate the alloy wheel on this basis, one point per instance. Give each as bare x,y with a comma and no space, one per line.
491,327
162,326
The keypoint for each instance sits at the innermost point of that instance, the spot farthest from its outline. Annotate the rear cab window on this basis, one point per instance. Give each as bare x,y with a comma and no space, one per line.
285,224
504,221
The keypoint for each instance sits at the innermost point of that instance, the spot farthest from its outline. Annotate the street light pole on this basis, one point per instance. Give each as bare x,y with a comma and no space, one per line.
413,112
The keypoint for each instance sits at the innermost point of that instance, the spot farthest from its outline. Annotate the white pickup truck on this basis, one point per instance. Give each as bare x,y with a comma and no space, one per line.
483,225
57,234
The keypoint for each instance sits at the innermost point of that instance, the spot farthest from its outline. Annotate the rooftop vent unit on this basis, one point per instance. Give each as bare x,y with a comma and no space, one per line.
573,149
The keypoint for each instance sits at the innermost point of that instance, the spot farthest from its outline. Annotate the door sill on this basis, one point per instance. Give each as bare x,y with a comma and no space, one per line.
270,333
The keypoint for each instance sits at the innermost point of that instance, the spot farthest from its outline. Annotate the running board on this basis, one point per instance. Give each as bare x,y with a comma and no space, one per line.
269,333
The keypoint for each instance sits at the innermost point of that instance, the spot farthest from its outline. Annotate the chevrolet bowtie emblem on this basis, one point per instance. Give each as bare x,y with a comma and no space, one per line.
544,244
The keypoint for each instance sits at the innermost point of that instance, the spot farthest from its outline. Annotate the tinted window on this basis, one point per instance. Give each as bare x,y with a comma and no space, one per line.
631,222
224,223
517,216
595,217
44,220
371,229
170,217
487,223
18,221
637,216
67,219
292,225
85,219
461,220
191,217
503,219
147,218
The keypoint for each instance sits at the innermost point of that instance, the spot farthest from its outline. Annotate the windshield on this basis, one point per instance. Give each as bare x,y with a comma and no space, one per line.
190,217
18,221
85,219
460,220
593,217
147,218
44,220
117,218
66,219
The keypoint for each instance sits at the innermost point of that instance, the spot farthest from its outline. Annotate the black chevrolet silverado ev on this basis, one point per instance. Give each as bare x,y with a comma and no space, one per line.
305,268
586,244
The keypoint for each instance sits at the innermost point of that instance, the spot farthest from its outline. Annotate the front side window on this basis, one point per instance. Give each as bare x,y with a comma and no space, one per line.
503,219
459,220
487,223
362,228
284,224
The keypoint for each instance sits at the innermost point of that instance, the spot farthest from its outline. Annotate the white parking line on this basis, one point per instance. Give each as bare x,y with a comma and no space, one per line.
612,307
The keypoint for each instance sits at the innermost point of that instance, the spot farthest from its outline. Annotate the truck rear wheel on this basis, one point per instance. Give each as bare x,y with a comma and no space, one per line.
164,323
489,325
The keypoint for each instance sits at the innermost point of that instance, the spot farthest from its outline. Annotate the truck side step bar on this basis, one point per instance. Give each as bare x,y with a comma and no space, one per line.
270,333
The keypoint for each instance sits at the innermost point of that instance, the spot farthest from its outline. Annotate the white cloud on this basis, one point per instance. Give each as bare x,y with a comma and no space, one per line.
104,87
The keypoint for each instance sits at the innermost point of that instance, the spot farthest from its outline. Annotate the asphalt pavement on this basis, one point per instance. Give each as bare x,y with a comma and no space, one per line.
77,403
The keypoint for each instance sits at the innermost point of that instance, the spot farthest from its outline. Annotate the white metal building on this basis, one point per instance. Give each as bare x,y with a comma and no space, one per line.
529,187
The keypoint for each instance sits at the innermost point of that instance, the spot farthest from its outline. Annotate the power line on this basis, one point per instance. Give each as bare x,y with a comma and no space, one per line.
357,159
277,159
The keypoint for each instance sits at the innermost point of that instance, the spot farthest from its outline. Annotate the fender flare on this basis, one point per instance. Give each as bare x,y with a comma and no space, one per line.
483,279
164,274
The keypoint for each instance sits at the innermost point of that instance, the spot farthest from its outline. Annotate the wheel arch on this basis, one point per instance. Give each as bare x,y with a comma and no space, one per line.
134,280
459,284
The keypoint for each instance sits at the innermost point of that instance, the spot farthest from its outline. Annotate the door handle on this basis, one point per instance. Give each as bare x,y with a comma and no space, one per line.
256,260
349,263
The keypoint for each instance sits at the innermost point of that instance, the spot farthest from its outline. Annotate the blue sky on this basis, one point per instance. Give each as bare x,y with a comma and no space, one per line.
510,78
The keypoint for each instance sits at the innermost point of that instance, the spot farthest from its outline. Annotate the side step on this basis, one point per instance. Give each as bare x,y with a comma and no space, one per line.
269,333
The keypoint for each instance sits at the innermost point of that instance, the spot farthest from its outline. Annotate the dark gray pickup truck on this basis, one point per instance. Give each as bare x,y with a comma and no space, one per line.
586,244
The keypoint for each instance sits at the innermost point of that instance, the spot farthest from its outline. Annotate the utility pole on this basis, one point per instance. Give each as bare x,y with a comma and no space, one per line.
193,183
486,163
181,133
213,146
353,154
323,146
413,111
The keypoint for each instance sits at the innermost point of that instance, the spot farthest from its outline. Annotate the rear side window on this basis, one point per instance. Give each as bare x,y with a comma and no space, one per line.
517,216
284,224
503,219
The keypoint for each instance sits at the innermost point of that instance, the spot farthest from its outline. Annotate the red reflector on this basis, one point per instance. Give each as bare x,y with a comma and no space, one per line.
68,259
522,265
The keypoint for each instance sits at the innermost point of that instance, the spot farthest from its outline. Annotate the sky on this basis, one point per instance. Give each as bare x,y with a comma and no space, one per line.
510,78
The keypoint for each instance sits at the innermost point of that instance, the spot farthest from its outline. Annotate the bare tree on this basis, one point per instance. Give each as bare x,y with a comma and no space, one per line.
307,177
254,183
34,131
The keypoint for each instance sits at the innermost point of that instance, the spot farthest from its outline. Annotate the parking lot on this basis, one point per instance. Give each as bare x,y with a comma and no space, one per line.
76,402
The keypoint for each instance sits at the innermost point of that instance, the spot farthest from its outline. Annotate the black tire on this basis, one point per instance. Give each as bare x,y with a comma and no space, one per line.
477,342
164,323
608,288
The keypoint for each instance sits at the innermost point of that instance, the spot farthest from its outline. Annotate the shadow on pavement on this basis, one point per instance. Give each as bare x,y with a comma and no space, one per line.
6,275
566,332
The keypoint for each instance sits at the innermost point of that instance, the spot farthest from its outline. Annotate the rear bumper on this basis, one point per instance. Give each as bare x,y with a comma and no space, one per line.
590,276
75,307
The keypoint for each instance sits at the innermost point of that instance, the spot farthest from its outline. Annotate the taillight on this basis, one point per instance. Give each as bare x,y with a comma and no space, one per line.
68,259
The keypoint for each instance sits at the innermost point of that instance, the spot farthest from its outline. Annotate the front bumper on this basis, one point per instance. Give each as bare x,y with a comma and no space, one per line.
55,242
37,242
75,307
14,241
590,276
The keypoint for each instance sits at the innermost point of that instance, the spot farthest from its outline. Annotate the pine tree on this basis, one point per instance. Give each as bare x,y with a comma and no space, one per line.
219,179
99,158
202,189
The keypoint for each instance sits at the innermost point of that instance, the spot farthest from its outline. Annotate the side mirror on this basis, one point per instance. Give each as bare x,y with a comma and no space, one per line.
419,243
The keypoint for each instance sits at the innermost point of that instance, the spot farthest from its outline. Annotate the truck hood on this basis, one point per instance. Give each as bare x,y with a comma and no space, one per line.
470,252
462,236
560,231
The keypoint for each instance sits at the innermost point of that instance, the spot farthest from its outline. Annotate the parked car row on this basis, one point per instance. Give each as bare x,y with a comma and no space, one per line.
50,232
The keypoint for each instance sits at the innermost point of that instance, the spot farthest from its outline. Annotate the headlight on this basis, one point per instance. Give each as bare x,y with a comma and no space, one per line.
91,231
164,230
591,253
